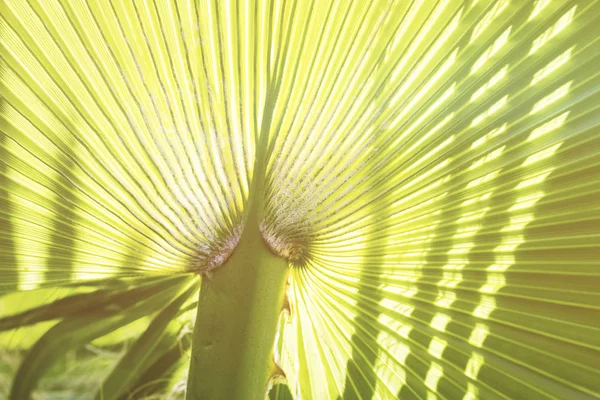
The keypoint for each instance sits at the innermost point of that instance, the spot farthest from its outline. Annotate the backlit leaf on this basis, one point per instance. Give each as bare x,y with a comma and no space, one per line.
430,170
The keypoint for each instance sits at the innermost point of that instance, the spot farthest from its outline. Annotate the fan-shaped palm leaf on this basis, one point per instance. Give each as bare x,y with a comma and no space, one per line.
378,199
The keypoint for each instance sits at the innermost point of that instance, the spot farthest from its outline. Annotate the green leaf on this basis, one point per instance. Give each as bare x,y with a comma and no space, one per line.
280,392
140,355
99,302
75,331
426,174
159,376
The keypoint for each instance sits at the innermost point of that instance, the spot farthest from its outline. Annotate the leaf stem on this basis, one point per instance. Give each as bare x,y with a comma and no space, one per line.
232,351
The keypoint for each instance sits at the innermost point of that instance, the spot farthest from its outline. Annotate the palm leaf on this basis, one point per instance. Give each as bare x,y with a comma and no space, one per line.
402,196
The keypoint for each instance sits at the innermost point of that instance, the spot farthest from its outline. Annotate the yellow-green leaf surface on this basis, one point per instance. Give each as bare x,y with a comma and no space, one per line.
430,170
